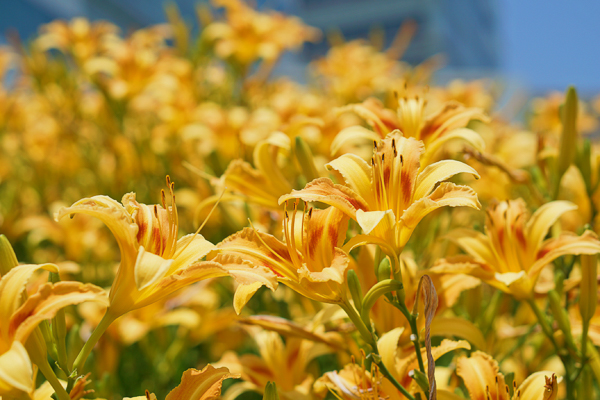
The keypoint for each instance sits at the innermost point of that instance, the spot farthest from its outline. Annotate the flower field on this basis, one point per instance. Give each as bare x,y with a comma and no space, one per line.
177,222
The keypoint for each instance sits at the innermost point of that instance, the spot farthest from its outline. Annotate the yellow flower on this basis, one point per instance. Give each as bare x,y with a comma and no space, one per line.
483,380
389,197
20,317
154,263
512,253
284,363
310,261
196,385
413,119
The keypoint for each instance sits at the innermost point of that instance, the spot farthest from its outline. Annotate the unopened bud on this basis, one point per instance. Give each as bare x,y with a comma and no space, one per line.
8,259
305,159
355,289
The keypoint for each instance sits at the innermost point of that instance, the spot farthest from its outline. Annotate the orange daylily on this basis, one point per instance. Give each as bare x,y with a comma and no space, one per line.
483,380
389,197
512,252
196,385
284,363
413,119
309,261
21,315
154,263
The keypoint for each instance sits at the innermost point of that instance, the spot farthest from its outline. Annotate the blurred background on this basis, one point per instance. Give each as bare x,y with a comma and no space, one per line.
536,46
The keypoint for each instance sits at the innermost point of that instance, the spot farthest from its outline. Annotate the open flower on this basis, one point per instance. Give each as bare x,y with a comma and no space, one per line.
196,385
483,380
284,363
21,315
512,252
389,197
154,263
434,127
310,260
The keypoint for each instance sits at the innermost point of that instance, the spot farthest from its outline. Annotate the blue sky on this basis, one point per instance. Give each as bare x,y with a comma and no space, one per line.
551,44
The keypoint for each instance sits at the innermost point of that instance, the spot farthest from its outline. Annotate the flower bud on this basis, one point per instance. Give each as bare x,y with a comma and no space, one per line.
568,139
8,259
305,159
271,392
384,271
378,290
561,318
420,378
355,289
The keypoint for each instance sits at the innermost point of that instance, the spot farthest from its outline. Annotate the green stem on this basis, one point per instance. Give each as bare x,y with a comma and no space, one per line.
584,339
48,373
89,345
412,320
368,337
547,329
365,333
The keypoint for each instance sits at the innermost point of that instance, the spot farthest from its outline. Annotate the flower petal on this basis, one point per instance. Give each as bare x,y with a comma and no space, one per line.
542,220
114,215
388,346
438,172
149,268
381,224
12,286
325,191
459,327
467,135
249,276
565,244
16,370
447,194
201,385
534,387
190,248
352,134
356,173
478,372
50,298
185,276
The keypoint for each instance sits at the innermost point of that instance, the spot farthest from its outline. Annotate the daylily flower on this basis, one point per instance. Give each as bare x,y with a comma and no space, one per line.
354,382
196,385
414,120
284,363
154,263
389,197
21,315
309,261
483,380
512,252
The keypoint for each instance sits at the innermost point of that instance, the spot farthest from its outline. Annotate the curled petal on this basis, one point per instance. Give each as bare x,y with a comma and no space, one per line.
325,191
50,298
587,243
459,327
170,283
356,173
249,276
12,286
114,215
201,385
352,134
438,172
447,194
542,220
